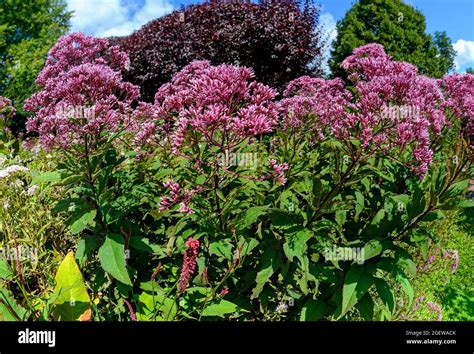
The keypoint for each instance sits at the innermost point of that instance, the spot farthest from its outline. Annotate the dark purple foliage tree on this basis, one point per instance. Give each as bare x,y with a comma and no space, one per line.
279,40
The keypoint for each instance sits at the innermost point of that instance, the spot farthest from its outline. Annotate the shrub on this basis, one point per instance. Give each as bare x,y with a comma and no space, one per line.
278,40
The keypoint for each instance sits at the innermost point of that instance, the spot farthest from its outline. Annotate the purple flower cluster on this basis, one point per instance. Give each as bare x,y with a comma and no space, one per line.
6,108
453,255
459,91
279,171
315,104
83,94
433,307
189,263
392,109
213,102
176,196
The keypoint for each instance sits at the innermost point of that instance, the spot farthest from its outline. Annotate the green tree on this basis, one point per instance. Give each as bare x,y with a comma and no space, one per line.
400,28
28,29
470,71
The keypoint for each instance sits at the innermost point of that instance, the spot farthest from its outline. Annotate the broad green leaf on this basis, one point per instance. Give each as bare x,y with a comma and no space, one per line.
220,309
295,245
372,249
9,309
221,248
112,258
250,216
72,302
313,310
83,221
85,248
385,293
6,272
356,284
268,265
366,307
406,286
46,177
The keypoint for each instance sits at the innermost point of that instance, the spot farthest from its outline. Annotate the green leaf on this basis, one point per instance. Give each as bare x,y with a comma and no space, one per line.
372,249
9,309
295,245
46,177
433,215
72,302
356,283
250,216
6,272
268,265
85,248
340,217
82,221
143,244
366,307
221,248
313,310
385,293
220,309
112,258
406,286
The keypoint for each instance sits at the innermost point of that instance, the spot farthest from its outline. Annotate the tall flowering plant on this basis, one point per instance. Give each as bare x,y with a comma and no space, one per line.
374,161
80,115
222,199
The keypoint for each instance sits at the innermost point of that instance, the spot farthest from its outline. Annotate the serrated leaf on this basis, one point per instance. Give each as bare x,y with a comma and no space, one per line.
295,245
112,258
268,265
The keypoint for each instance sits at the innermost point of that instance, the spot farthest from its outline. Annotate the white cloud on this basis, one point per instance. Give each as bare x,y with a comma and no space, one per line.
327,25
112,17
465,53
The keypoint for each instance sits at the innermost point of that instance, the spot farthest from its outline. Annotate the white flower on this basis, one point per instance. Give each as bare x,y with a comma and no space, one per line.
32,190
6,172
282,307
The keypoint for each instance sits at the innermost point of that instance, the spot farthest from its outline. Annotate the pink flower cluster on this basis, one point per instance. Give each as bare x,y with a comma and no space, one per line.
459,91
315,104
6,108
279,171
82,94
176,196
216,103
453,255
393,107
433,307
189,263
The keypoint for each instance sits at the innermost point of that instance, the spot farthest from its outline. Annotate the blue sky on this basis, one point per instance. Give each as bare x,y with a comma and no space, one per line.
121,17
